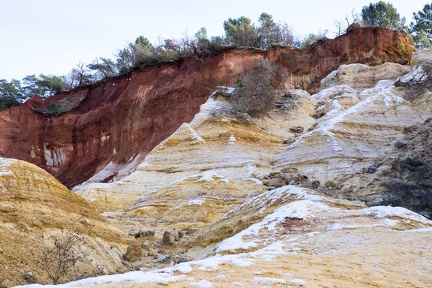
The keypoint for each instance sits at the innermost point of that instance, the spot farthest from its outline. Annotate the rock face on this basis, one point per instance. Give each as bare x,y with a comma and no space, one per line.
305,240
267,201
117,123
209,178
362,76
34,208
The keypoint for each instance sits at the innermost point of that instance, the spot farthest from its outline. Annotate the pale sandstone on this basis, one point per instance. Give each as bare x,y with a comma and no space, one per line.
309,241
360,76
347,139
420,56
355,130
35,206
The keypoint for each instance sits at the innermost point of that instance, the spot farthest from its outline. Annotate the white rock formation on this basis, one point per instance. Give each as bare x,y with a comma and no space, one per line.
310,240
360,76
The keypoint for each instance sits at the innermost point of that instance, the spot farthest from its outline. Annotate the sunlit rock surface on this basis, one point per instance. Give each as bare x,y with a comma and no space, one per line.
35,206
305,240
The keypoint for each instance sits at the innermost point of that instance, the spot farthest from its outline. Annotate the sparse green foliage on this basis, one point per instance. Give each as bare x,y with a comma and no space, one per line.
382,14
266,30
312,38
103,68
254,93
270,32
141,51
202,45
10,93
42,85
422,40
201,34
241,32
421,28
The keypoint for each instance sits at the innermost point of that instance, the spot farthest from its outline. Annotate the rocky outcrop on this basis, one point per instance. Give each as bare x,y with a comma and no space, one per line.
35,209
268,201
116,123
305,240
325,141
356,130
219,161
362,76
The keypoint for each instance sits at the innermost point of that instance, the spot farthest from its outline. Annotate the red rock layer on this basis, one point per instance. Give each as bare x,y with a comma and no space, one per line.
127,116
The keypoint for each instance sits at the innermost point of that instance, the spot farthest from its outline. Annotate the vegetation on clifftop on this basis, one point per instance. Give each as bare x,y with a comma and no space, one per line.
240,32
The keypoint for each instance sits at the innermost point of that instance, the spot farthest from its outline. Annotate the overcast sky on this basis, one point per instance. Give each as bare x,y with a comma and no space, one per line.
52,36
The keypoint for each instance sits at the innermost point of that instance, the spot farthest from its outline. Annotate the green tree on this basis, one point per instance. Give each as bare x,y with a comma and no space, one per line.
421,28
241,32
10,89
32,87
51,83
125,59
201,34
103,68
143,42
312,38
42,85
270,32
134,54
382,14
142,50
10,93
266,30
201,44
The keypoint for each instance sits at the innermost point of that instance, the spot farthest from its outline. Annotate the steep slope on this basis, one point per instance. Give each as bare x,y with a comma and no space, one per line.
203,170
403,176
34,207
350,138
117,122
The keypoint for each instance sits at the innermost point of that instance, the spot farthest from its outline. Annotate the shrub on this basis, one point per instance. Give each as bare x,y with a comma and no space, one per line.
59,259
7,102
254,93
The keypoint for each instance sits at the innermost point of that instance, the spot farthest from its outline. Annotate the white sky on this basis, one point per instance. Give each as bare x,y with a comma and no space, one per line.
52,36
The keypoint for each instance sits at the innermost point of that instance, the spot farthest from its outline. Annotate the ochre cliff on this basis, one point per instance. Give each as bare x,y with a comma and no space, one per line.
34,207
122,119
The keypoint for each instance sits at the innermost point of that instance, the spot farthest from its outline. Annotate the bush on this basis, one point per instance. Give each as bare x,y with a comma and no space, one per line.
59,258
7,102
254,93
